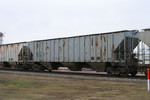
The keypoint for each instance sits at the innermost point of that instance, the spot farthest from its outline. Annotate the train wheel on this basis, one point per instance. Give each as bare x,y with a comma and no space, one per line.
25,68
125,73
50,70
35,68
108,70
133,73
19,67
42,69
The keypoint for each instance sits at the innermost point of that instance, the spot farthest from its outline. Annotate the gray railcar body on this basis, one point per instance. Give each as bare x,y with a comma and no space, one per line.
111,52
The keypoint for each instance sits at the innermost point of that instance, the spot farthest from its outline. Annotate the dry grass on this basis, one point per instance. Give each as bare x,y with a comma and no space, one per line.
23,87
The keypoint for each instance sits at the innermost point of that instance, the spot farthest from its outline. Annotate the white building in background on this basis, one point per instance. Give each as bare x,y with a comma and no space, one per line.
1,38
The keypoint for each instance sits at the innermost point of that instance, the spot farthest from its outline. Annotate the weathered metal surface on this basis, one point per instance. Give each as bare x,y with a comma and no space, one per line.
66,50
109,47
71,50
44,51
56,50
98,45
89,48
41,51
98,51
61,50
77,49
82,49
93,49
10,52
53,51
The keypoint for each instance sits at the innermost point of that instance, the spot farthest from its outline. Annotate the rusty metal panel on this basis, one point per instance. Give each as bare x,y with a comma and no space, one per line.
44,51
71,49
109,48
112,48
41,51
61,51
4,55
11,52
87,49
77,49
31,47
33,50
104,47
66,50
52,50
19,50
82,51
7,53
21,47
56,50
98,45
15,54
48,51
101,48
37,51
93,49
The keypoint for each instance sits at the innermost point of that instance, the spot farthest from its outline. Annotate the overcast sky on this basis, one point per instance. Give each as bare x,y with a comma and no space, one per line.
27,20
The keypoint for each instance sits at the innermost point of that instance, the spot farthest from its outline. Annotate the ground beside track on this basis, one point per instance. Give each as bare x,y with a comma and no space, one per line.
25,87
91,75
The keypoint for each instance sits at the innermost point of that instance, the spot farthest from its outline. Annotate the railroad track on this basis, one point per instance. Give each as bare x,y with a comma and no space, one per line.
76,75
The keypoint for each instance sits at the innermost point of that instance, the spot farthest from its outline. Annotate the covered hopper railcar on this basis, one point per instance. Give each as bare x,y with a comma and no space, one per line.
106,52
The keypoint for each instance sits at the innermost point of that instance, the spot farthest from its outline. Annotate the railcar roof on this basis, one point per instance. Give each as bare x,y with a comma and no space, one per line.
122,31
